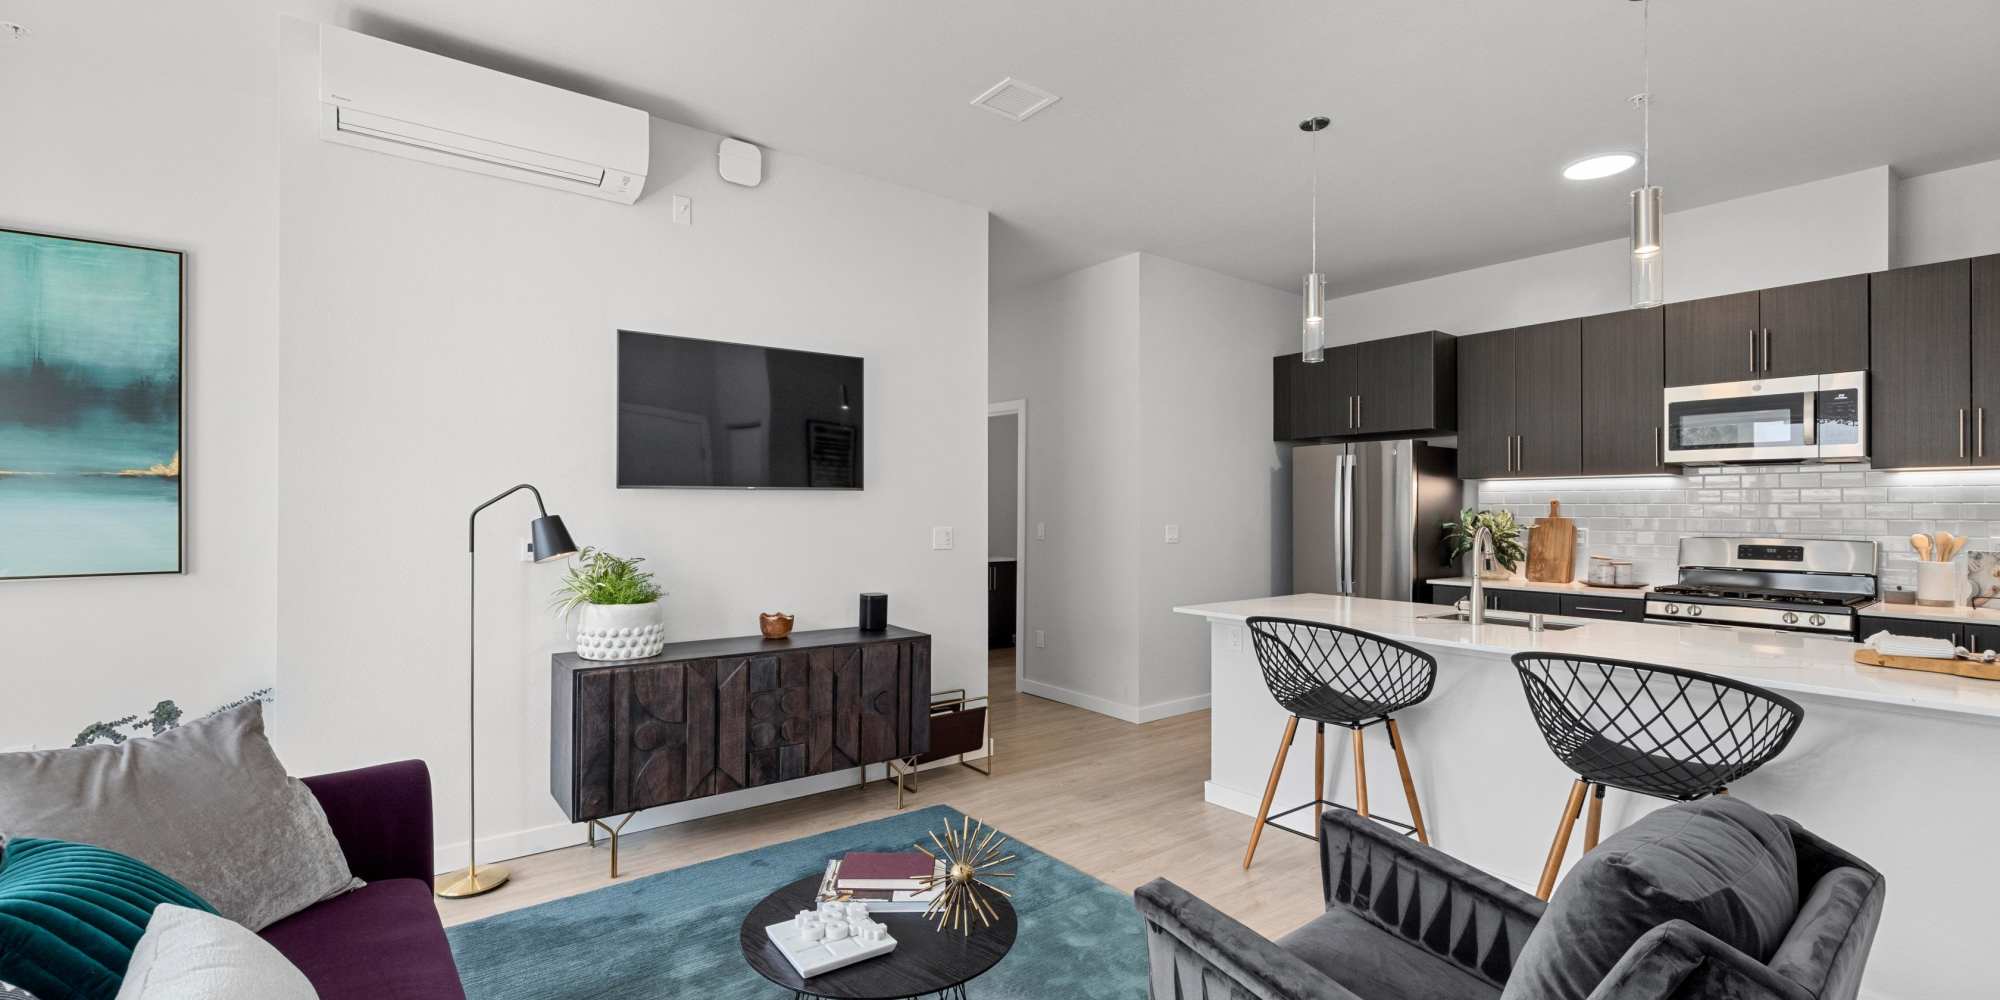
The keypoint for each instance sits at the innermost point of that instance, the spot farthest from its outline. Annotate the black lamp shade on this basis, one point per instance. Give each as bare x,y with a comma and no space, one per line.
551,539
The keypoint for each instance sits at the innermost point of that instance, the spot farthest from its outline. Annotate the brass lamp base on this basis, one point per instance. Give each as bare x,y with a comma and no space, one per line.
471,882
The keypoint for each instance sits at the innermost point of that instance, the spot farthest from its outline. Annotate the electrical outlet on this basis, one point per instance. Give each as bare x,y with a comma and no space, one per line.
1041,639
683,210
941,539
1041,530
1173,534
1235,638
527,550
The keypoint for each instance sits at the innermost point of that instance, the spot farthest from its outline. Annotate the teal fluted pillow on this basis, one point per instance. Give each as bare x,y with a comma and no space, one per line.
70,915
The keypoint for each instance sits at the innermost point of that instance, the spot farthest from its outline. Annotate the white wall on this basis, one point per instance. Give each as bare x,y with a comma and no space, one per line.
1070,347
1826,228
445,335
1150,385
1209,465
1948,215
98,146
1003,484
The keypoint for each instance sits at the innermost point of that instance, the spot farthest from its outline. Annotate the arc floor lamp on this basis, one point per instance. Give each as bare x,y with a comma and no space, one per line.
549,540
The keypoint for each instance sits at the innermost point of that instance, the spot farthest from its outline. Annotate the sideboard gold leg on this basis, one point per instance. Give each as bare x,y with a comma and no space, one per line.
613,832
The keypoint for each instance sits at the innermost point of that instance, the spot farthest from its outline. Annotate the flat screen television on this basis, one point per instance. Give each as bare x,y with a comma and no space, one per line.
703,413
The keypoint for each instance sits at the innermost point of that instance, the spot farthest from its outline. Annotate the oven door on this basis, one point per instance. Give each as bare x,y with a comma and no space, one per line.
1771,420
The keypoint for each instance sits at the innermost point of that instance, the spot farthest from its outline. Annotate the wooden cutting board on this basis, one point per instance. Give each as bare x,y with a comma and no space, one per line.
1961,668
1552,548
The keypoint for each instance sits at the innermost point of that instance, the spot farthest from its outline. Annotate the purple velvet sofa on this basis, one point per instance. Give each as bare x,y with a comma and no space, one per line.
383,941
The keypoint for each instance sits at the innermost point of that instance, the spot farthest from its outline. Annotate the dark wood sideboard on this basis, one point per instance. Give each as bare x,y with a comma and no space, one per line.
717,715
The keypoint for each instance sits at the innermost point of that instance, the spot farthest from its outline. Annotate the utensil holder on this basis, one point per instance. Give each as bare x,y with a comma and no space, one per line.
1937,584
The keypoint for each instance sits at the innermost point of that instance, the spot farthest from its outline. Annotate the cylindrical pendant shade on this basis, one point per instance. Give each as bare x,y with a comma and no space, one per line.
1313,328
1649,281
551,539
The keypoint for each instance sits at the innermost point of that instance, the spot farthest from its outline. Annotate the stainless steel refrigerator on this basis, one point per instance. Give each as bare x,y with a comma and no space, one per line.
1368,517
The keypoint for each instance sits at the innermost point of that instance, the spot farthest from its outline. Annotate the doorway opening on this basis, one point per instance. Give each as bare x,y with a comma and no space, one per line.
1006,530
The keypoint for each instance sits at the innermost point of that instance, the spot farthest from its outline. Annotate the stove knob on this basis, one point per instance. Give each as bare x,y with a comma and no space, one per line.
1817,620
1694,611
1790,618
1673,609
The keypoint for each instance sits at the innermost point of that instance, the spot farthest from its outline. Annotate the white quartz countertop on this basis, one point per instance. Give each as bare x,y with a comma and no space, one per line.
1781,661
1982,616
1573,587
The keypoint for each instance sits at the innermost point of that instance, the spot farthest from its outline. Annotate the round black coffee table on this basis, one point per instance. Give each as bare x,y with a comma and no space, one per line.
926,962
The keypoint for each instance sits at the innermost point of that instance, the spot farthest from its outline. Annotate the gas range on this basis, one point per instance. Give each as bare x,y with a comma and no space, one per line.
1796,585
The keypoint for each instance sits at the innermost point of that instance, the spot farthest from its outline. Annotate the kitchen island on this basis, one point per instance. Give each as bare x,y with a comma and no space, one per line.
1900,767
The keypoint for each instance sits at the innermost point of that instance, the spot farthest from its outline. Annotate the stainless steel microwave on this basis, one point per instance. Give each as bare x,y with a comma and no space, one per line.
1806,418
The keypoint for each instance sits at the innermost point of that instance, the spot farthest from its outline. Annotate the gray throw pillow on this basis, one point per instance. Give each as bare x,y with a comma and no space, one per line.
208,804
1720,864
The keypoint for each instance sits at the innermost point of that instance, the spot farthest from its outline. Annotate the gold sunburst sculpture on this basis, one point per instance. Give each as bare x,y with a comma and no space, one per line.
967,853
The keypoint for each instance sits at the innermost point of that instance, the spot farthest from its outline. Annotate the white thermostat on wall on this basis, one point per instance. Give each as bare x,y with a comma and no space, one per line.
740,162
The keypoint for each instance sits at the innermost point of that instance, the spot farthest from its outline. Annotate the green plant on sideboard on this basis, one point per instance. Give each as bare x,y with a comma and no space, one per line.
1500,524
598,577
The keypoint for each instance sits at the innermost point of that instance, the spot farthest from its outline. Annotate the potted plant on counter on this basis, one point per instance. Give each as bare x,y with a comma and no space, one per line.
616,604
1505,553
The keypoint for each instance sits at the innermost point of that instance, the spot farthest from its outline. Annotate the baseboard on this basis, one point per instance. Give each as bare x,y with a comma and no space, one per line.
1115,709
555,836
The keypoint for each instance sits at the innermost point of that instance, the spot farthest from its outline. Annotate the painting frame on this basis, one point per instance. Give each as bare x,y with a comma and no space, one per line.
180,315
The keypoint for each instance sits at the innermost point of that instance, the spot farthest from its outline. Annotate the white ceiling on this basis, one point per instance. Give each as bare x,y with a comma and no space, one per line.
1176,129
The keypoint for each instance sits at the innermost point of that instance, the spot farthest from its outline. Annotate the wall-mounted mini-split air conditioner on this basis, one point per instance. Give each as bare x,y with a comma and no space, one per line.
407,102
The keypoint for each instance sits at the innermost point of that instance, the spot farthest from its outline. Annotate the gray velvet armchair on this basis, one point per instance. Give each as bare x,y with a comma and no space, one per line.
1408,922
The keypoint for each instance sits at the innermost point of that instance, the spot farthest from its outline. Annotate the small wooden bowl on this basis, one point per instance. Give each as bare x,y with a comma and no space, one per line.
774,624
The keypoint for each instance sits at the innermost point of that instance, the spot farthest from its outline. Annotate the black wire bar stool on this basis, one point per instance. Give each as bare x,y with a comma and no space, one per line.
1661,731
1341,677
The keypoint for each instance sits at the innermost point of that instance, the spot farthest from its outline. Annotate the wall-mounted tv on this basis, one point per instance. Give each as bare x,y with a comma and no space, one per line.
703,413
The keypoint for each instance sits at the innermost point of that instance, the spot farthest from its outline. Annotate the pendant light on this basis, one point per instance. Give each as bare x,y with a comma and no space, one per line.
1649,279
1313,327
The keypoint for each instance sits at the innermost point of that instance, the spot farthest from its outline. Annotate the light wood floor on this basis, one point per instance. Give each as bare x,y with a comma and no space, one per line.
1122,802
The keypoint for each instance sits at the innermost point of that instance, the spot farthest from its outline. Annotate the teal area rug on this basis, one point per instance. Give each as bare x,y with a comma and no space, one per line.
674,935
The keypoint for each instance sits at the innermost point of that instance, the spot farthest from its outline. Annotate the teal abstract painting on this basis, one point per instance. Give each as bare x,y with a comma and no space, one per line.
90,408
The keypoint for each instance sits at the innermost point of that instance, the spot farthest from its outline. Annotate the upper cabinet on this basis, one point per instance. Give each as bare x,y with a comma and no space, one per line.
1808,329
1921,381
1985,416
1371,390
1520,402
1623,375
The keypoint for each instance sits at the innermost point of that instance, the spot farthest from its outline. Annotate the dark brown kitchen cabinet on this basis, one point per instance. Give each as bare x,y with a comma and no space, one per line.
714,716
1623,374
1804,329
1921,379
1521,402
1609,608
1980,638
1985,417
1916,628
1368,391
1712,340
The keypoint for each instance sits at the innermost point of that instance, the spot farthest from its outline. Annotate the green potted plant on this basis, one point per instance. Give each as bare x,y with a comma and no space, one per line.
617,607
1505,552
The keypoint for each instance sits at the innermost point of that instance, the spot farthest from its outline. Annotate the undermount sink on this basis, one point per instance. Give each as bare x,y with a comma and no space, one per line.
1465,618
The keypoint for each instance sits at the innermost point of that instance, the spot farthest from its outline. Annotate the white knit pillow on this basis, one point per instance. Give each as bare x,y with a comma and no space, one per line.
187,953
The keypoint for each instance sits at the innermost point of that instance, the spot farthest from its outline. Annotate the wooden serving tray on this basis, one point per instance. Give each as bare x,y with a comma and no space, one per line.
1961,668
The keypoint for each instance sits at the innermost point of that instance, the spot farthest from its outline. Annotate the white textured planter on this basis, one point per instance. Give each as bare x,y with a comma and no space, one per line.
620,631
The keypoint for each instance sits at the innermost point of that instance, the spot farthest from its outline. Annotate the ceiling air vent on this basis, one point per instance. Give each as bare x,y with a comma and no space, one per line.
1010,98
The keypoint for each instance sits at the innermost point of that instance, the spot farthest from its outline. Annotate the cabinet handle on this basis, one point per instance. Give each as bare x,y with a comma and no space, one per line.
1657,435
1961,432
1350,413
1767,349
1601,611
1357,411
1753,351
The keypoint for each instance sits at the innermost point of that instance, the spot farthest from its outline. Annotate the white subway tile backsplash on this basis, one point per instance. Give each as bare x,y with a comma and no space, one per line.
1644,518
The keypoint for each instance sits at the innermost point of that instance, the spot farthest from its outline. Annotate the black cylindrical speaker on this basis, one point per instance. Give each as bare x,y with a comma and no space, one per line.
874,612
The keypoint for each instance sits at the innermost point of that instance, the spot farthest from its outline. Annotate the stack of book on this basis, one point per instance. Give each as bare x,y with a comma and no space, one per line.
888,883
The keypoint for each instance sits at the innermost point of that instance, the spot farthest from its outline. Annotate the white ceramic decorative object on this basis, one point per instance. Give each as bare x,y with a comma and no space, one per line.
836,936
1982,577
620,631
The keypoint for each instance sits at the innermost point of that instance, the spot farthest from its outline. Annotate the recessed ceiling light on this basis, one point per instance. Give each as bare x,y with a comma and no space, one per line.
1591,168
1011,98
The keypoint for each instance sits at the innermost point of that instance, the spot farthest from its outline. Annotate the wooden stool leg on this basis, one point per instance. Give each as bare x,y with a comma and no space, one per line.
1360,775
1319,772
1595,819
1409,787
1561,846
1270,789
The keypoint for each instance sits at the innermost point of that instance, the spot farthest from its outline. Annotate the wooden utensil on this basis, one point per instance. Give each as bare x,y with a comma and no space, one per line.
1922,543
1552,547
1947,545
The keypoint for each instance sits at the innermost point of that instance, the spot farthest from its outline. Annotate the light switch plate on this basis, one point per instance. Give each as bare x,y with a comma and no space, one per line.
1041,530
1173,533
683,210
941,538
1041,639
